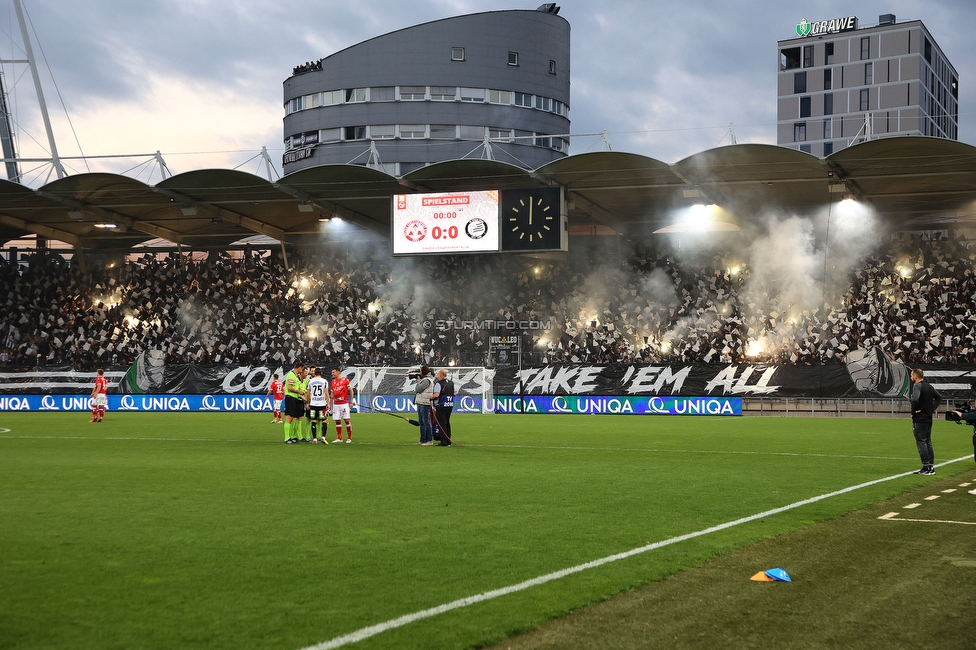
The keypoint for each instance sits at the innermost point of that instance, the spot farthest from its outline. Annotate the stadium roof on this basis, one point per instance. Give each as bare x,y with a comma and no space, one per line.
913,182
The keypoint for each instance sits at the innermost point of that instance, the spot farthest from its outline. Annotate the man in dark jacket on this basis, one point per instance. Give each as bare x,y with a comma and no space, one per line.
443,403
925,400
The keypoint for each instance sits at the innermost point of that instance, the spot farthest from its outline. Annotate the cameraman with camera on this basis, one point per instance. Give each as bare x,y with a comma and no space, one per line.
423,391
965,415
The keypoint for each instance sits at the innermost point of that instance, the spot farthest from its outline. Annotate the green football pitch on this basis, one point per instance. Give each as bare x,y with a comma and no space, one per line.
205,531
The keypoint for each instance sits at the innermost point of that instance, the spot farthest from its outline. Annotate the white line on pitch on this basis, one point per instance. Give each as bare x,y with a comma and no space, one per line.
929,521
912,505
373,630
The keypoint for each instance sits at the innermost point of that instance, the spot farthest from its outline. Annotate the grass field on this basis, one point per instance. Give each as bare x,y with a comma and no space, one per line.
205,531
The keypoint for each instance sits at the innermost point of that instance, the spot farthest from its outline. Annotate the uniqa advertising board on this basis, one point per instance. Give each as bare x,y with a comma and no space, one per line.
602,404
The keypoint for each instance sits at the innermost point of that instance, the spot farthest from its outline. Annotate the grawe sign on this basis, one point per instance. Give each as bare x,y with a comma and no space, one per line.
821,27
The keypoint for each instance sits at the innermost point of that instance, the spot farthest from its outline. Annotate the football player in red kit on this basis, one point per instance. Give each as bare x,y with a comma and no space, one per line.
277,391
341,392
99,397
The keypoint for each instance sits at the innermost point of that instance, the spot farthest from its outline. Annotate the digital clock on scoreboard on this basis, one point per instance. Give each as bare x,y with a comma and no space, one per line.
448,223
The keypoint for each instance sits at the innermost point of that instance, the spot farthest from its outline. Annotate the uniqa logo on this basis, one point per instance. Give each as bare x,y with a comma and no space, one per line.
48,404
128,403
803,28
209,404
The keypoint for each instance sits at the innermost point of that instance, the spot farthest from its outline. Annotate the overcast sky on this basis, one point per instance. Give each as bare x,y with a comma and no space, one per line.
200,80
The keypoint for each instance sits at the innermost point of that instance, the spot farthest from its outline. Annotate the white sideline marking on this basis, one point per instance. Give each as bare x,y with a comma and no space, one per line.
2,430
889,515
373,630
931,521
932,498
965,484
949,491
912,505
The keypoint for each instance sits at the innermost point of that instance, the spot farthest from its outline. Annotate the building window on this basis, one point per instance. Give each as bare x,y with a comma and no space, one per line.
864,100
828,148
382,94
355,133
355,95
543,103
499,97
543,140
828,130
413,93
828,104
443,93
799,82
558,108
472,132
807,56
805,106
789,58
523,99
523,137
330,135
382,132
868,74
472,94
513,58
928,51
413,131
865,47
505,135
442,131
828,53
457,54
828,79
799,132
805,148
552,67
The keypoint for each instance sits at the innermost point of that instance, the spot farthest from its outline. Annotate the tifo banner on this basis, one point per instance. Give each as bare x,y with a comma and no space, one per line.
865,375
617,405
53,379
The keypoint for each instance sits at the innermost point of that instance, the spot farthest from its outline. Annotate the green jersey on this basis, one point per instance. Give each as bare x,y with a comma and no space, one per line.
293,385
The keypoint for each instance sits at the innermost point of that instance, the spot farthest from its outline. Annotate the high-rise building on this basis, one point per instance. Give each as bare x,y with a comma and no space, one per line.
492,84
839,84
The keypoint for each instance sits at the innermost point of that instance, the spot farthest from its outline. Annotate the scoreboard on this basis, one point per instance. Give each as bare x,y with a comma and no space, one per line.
489,221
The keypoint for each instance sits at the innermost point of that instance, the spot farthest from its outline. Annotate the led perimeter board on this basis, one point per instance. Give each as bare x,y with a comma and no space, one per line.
490,221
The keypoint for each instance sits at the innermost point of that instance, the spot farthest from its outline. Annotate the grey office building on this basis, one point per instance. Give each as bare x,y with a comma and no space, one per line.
492,84
840,84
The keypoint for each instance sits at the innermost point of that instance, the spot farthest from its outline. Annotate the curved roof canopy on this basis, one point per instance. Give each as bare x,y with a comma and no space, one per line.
913,182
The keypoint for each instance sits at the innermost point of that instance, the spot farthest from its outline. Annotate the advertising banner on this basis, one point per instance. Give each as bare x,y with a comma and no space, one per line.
209,403
616,405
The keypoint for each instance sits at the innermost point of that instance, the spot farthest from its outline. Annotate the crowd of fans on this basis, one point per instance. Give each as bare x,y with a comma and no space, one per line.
914,299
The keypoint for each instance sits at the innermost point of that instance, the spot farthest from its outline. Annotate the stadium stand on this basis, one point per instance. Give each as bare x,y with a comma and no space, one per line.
915,298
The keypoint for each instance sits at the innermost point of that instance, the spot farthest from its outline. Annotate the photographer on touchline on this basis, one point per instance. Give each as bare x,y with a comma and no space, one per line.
423,391
969,417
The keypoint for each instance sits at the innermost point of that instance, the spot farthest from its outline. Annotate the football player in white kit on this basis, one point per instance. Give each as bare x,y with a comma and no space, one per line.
318,403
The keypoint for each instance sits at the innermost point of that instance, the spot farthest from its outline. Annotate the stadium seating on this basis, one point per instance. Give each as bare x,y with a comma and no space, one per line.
915,298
